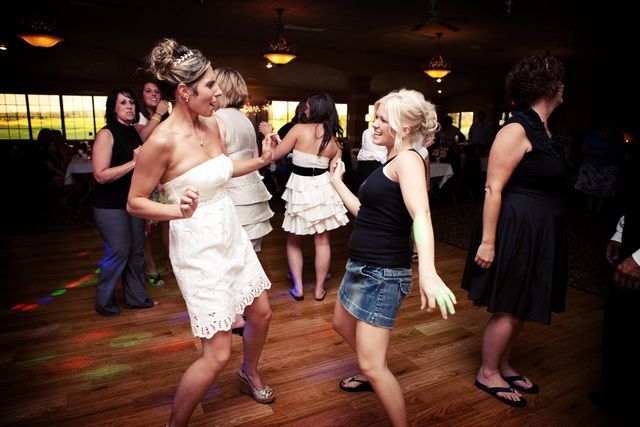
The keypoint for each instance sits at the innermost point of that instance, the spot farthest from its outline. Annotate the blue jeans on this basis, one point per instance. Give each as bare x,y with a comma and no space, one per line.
123,237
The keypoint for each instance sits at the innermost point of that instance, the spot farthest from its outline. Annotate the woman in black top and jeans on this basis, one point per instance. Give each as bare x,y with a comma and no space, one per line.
113,158
391,202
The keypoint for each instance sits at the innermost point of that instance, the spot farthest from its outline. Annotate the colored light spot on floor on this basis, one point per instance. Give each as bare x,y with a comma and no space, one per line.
17,307
95,336
37,358
83,253
80,281
75,363
131,339
45,300
58,292
29,307
107,371
179,318
173,347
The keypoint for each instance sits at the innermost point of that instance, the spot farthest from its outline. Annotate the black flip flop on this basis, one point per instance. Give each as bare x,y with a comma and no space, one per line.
363,385
296,297
324,294
493,391
512,382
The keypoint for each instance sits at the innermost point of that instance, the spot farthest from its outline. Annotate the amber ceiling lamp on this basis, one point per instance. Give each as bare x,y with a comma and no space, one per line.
278,51
437,67
40,32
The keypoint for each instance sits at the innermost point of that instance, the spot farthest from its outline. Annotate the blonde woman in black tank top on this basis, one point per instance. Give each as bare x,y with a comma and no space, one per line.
391,203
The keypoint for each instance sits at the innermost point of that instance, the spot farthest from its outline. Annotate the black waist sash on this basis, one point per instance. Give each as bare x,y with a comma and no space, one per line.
302,171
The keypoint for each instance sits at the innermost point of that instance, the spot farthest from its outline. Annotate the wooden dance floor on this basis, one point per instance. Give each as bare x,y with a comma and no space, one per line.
63,364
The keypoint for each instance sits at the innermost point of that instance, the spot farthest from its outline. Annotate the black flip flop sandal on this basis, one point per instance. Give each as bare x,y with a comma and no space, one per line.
493,391
512,382
363,385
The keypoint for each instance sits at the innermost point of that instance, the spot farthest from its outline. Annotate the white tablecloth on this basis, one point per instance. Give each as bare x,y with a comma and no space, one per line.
443,170
77,165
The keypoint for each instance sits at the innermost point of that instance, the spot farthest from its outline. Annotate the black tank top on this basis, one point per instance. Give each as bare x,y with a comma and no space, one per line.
113,195
381,233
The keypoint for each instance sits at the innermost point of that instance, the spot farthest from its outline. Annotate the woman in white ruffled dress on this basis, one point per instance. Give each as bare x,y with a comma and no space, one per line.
312,205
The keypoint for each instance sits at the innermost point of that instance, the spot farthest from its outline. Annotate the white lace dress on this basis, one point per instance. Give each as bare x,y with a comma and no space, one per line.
313,205
212,257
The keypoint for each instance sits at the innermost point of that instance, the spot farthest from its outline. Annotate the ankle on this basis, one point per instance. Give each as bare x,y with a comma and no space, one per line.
505,369
487,373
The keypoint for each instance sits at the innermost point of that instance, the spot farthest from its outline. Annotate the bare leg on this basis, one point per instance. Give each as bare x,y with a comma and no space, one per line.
164,235
238,322
495,340
322,261
506,354
199,376
149,263
372,343
505,360
345,325
294,256
255,333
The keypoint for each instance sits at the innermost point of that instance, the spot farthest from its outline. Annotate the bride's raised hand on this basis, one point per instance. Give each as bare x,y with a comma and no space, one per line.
189,202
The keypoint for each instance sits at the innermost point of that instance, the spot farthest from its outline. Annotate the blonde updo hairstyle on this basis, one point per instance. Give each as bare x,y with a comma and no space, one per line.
408,108
233,87
172,63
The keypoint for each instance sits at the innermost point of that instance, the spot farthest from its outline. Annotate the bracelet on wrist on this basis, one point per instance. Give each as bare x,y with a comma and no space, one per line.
156,117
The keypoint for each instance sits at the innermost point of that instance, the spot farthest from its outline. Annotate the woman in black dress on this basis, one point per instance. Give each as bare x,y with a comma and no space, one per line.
517,262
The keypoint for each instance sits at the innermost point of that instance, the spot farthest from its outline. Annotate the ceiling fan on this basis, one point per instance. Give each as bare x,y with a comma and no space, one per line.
433,17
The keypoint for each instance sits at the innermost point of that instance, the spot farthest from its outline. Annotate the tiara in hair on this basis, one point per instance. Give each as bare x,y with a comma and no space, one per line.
183,58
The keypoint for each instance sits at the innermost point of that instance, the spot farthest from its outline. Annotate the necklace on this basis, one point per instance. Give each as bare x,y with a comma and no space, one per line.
201,139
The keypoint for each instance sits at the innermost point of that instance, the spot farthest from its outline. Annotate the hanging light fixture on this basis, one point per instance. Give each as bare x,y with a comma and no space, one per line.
437,68
278,51
40,32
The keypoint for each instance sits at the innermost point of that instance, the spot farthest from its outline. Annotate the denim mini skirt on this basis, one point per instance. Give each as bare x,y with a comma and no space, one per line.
373,294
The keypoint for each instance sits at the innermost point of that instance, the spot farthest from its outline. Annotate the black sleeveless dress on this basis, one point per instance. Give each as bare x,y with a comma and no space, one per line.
528,277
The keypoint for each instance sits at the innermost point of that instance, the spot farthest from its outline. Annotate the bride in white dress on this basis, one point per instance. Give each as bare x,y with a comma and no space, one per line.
212,257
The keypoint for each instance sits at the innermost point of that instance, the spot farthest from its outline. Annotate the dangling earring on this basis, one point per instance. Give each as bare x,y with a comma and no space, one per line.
186,98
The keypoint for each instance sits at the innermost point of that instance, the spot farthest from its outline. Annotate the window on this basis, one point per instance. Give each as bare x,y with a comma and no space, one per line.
99,109
78,116
44,113
342,116
23,116
463,120
281,112
14,123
